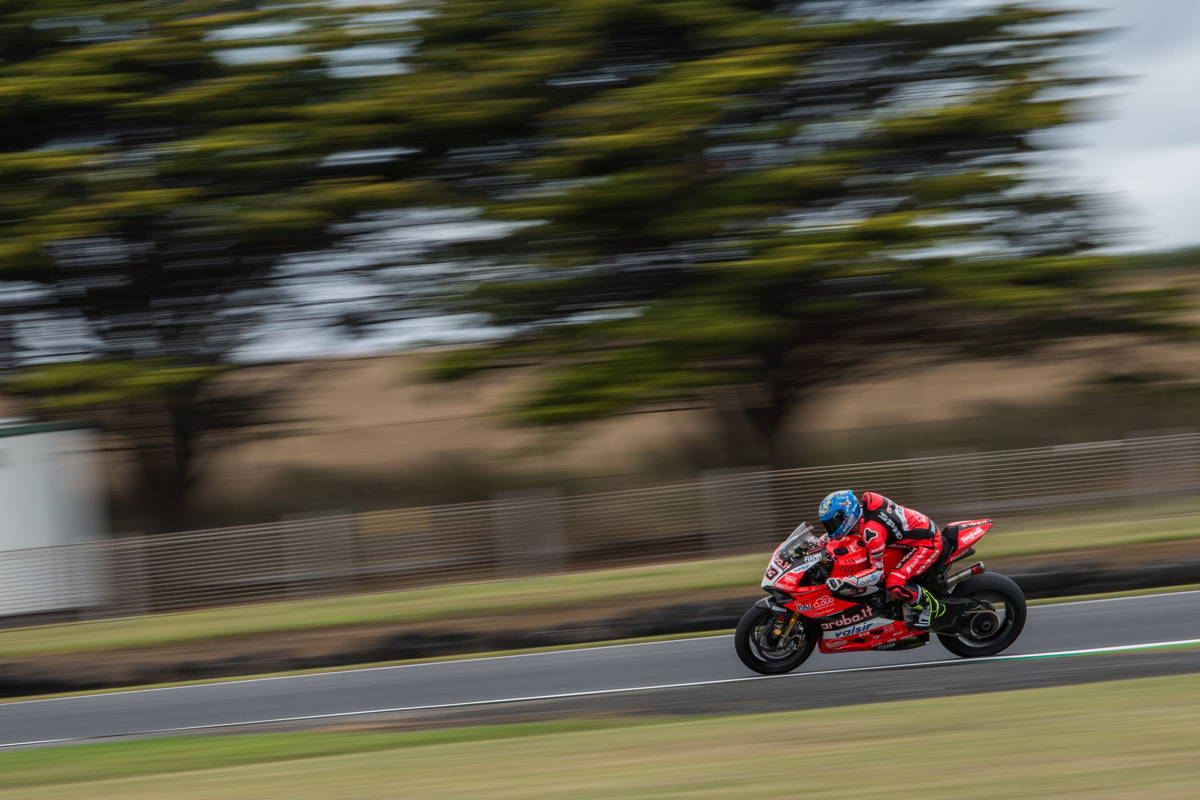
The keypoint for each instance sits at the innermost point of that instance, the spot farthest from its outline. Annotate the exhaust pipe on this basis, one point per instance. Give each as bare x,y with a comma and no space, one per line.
970,572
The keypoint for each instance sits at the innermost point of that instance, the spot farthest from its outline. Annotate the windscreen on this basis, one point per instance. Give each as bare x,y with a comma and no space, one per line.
802,542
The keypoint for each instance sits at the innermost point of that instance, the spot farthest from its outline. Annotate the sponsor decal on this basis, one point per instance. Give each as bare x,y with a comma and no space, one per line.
906,643
861,627
772,573
848,618
823,602
893,531
780,565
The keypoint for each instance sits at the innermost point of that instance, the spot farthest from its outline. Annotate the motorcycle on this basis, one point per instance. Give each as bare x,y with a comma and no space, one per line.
984,612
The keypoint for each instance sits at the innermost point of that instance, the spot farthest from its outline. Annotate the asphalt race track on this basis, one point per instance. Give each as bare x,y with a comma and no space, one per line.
1133,637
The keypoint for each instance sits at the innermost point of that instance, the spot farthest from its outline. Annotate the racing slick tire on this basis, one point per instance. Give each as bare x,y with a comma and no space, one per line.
986,633
762,652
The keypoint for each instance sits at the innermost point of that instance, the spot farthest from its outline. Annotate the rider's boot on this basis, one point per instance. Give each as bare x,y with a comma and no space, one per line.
927,610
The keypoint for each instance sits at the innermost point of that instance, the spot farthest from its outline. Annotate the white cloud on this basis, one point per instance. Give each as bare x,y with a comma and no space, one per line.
1147,148
1160,188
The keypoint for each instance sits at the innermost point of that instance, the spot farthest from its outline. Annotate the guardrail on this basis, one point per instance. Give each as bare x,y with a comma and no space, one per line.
724,512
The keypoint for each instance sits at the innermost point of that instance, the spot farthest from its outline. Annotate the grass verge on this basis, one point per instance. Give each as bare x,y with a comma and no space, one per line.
516,596
1122,739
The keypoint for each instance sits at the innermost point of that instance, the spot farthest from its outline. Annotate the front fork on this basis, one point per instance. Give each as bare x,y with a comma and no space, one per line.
781,632
784,620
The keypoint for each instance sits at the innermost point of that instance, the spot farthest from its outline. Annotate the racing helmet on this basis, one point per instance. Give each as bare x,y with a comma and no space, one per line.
840,513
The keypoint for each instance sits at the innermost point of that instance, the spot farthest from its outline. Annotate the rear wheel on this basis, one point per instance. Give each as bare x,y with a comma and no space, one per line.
995,624
762,651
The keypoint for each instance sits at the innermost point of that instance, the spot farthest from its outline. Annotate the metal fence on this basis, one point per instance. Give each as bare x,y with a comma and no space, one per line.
724,512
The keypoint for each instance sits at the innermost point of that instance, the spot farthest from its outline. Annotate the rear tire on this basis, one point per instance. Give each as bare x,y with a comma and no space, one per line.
989,633
764,654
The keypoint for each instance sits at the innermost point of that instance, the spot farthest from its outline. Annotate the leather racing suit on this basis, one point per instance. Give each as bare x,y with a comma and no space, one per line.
888,524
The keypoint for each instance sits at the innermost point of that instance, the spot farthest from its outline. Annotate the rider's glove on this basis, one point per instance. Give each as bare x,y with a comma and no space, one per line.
834,584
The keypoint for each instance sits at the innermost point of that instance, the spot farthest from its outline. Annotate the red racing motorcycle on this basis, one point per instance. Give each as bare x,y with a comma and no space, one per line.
984,611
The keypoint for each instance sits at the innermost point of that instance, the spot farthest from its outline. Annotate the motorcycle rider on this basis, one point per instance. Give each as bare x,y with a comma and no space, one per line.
876,523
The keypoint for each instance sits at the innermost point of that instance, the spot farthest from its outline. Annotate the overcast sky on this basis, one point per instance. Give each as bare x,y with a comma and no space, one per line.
1147,149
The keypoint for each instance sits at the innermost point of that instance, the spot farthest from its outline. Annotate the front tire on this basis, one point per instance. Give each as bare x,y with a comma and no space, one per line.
987,632
767,654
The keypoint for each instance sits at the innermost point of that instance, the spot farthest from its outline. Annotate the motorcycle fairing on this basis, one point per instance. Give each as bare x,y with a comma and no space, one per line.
847,626
815,602
883,634
863,626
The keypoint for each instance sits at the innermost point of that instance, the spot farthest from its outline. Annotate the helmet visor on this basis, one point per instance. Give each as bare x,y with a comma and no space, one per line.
834,522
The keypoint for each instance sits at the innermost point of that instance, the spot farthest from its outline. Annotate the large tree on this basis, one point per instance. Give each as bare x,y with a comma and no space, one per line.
161,160
770,196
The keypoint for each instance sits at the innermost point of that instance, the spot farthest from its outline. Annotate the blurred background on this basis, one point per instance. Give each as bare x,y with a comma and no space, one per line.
339,334
477,288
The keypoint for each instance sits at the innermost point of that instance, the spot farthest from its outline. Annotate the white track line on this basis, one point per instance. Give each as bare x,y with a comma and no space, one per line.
564,651
621,690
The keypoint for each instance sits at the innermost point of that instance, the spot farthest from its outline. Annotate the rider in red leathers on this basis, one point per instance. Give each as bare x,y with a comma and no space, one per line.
877,523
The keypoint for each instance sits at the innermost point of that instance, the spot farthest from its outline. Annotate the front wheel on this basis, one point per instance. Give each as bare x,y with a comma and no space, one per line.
994,624
762,651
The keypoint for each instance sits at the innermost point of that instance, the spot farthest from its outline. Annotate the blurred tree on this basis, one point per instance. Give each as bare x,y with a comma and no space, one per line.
768,197
160,160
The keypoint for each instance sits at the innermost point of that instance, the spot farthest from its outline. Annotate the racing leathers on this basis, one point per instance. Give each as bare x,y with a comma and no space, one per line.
888,524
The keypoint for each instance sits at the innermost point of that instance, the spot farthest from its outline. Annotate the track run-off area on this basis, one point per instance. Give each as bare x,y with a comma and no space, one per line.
1073,642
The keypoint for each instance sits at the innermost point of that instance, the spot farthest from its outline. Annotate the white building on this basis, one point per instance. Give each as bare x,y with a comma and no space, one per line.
51,517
